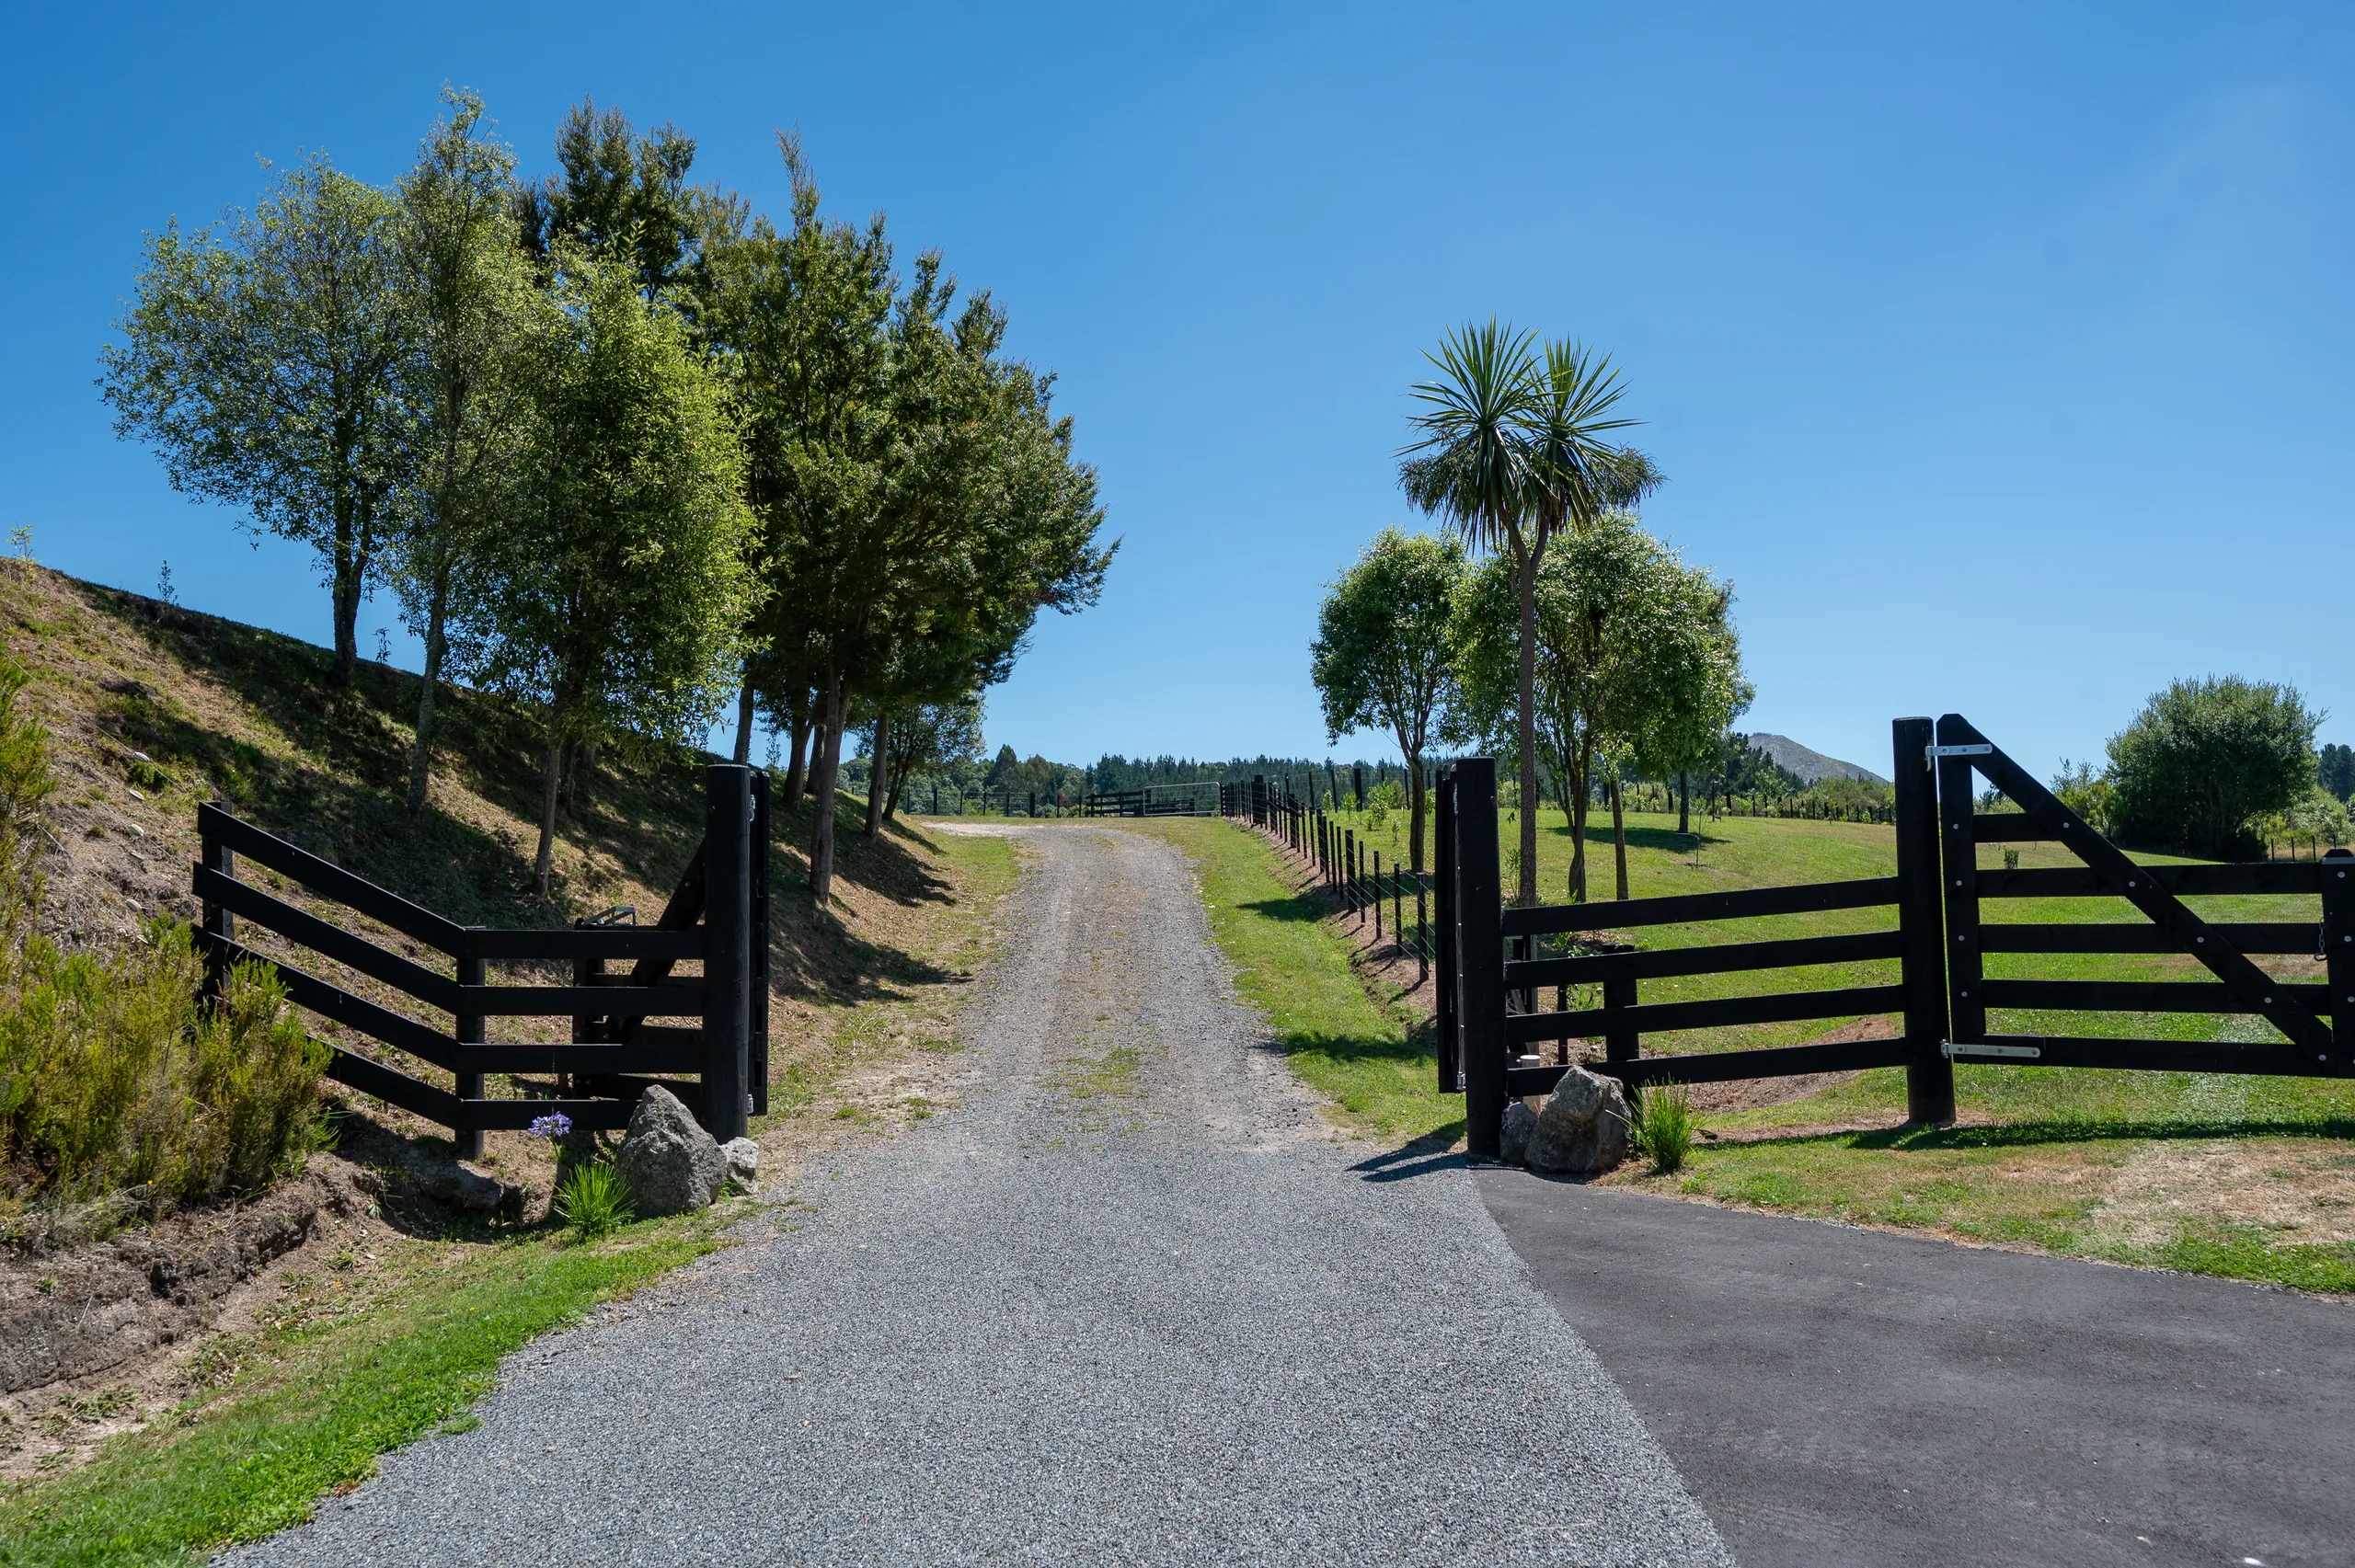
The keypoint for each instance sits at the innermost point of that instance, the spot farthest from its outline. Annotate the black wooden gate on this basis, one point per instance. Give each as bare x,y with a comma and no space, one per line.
1493,1038
718,918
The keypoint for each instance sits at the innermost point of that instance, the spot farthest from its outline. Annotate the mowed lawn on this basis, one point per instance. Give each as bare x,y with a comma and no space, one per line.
2218,1173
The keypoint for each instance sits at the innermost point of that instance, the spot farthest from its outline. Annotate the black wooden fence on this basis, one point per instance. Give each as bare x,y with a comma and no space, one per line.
623,1039
1156,800
1350,869
1492,1037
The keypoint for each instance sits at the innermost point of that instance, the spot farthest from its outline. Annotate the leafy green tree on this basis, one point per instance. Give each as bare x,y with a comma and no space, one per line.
614,593
1637,658
919,497
467,293
2204,759
621,194
1383,655
2338,772
258,358
930,738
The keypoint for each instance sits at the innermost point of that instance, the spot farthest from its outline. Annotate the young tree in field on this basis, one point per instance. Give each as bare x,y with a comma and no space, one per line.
258,358
467,293
1635,657
614,593
2206,758
1382,654
930,736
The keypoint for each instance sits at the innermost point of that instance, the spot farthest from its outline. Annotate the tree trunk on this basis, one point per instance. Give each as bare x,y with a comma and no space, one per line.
1618,832
551,774
892,801
745,715
1584,772
351,571
1684,803
796,719
1526,730
879,778
826,769
1415,811
421,762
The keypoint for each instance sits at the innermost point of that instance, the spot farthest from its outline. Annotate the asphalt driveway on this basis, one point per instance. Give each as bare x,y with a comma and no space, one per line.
1835,1396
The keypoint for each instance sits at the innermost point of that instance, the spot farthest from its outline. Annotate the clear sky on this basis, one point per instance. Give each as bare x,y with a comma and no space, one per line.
2000,355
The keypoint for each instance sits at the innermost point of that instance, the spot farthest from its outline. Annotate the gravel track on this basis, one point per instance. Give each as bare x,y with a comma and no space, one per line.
1128,1303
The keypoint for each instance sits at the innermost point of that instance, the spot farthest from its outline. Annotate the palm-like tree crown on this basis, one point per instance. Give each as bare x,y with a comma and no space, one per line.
1472,464
1574,475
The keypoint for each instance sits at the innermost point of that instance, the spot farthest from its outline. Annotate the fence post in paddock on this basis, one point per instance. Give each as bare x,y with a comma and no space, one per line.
1929,1075
1397,909
727,957
2337,941
1350,869
1422,935
1377,894
1480,956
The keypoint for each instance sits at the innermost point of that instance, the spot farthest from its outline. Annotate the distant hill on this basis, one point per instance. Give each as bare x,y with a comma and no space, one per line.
1810,766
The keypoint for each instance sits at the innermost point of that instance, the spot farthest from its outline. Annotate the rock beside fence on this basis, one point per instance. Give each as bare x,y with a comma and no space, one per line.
1582,1131
743,1157
670,1163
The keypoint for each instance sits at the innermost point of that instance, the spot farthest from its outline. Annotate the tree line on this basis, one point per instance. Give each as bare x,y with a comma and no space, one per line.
624,448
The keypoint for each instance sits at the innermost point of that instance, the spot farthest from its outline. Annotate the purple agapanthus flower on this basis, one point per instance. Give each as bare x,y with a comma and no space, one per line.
552,1127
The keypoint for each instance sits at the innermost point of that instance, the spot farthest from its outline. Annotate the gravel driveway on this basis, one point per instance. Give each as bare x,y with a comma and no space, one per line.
1128,1303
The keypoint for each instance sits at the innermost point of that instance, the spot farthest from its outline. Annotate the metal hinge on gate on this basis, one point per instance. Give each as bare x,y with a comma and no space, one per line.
1953,1048
1930,754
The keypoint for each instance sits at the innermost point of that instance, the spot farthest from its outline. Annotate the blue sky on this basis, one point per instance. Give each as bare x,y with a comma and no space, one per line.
1999,355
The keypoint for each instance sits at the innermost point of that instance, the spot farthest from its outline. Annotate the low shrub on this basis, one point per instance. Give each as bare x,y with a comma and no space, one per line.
1662,1129
593,1200
113,1075
116,1079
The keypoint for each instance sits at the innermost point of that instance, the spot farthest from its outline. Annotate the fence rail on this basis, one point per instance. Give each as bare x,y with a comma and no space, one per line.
718,918
1491,974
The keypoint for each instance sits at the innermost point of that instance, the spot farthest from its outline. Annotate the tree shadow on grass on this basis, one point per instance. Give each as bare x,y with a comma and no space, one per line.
1297,908
1664,838
2021,1134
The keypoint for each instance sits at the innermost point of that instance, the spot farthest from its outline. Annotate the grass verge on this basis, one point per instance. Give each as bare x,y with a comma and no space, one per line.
1369,1055
327,1389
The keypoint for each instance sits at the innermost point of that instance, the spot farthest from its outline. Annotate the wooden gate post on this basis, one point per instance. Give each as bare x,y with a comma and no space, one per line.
756,988
727,953
1480,960
1444,931
2339,942
1929,1075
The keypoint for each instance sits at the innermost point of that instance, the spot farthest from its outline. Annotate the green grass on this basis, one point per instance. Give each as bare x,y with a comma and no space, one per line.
322,1399
2059,1160
1371,1056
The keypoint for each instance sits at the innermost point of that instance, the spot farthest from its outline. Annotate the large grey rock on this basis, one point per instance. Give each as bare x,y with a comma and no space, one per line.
1582,1131
1513,1143
743,1157
670,1163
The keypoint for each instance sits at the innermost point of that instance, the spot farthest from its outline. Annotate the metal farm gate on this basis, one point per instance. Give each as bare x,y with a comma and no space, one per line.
1494,1036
